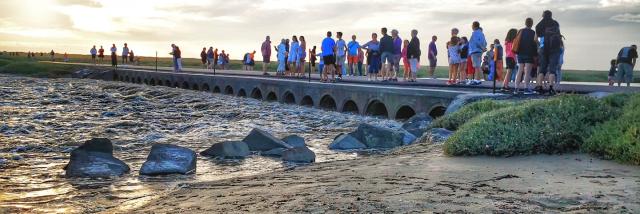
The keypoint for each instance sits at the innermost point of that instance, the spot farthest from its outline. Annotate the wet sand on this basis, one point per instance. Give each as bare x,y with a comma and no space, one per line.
419,178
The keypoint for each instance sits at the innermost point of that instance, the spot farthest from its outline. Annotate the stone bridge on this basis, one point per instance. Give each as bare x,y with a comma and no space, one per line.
388,101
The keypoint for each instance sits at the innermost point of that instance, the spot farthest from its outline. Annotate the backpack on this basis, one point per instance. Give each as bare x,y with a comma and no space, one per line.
552,38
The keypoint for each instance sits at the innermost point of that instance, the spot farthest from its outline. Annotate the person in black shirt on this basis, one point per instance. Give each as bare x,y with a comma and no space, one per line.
548,32
413,54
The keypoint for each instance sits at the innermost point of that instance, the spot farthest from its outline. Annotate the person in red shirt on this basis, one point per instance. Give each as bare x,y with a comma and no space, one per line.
101,54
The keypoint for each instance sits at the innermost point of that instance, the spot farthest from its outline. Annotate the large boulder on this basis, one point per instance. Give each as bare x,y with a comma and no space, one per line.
295,141
167,159
418,124
346,142
94,159
228,149
277,152
299,155
259,140
464,99
381,137
436,136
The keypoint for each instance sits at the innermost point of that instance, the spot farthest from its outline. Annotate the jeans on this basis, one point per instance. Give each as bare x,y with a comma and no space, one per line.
414,65
625,73
548,62
359,68
387,57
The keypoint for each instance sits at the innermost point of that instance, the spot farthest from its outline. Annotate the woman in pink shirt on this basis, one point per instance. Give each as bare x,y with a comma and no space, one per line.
405,61
511,58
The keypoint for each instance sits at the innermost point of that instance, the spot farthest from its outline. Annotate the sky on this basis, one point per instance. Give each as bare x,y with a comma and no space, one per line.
595,30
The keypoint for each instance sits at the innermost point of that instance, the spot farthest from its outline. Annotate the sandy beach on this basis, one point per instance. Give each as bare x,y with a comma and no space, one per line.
419,178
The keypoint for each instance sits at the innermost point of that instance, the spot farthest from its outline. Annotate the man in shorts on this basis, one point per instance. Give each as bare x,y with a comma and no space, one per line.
266,54
352,57
341,47
626,61
328,56
477,46
386,48
397,55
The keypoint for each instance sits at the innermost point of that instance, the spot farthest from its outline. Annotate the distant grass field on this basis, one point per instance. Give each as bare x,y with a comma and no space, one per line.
441,71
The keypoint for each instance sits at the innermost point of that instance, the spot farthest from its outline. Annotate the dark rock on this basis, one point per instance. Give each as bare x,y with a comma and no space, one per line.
277,152
464,99
380,137
94,159
16,157
436,136
167,159
418,124
295,141
228,149
259,140
299,155
346,142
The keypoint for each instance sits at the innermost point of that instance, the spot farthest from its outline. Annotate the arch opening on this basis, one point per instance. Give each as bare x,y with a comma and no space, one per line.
437,112
152,82
145,81
139,80
195,87
216,89
327,102
126,79
185,85
307,101
205,87
176,85
377,109
242,93
350,107
271,97
115,77
404,113
167,83
256,94
228,90
289,98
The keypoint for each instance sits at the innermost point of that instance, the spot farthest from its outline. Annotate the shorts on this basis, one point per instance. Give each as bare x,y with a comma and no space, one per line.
454,61
470,70
396,59
414,65
329,60
524,59
266,59
511,63
549,63
386,57
209,61
340,60
352,59
476,60
433,63
625,73
293,59
93,56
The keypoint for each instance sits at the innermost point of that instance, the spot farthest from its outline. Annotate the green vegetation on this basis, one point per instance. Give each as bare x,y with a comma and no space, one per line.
619,138
551,126
454,120
32,68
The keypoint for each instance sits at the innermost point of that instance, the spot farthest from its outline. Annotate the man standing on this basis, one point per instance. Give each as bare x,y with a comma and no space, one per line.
413,54
266,54
94,53
433,57
550,39
477,46
341,46
328,48
397,55
101,54
386,48
626,61
353,48
125,54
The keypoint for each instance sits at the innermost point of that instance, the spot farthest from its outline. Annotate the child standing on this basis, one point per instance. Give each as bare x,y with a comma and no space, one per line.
405,61
612,72
454,59
498,55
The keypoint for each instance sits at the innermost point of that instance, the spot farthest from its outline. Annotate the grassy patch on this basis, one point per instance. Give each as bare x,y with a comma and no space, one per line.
619,138
36,68
555,125
454,120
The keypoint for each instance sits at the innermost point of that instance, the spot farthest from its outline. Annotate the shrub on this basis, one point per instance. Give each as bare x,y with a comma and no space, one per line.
39,69
555,125
456,119
617,100
619,138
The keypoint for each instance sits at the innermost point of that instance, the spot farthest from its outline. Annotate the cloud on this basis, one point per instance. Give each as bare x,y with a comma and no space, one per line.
627,17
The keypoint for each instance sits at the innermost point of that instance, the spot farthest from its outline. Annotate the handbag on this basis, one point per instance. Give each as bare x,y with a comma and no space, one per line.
516,43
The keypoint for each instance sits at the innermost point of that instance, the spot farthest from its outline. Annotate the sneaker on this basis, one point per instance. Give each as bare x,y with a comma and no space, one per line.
449,82
552,91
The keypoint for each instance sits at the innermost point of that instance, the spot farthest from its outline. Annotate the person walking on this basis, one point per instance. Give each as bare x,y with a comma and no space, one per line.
94,53
101,55
397,54
328,49
210,58
266,54
511,58
433,56
203,57
524,45
413,53
477,46
114,56
373,57
626,62
550,39
353,47
341,47
125,54
386,57
52,55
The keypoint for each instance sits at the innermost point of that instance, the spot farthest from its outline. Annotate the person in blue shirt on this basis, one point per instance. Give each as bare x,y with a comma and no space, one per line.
294,56
477,46
352,57
93,52
626,61
282,57
373,57
341,56
328,56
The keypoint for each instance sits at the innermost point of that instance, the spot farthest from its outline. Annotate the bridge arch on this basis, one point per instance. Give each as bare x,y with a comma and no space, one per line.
139,80
350,106
307,101
437,111
115,77
167,83
256,94
405,112
377,108
145,81
176,84
272,97
185,85
289,98
327,102
126,78
195,87
205,87
242,93
152,82
216,89
228,90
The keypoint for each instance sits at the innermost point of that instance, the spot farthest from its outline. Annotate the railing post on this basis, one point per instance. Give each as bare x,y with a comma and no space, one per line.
309,66
156,61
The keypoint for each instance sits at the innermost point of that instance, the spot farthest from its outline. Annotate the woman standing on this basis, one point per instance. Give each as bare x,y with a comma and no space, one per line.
511,58
294,56
302,55
462,66
114,57
282,55
453,48
373,56
405,61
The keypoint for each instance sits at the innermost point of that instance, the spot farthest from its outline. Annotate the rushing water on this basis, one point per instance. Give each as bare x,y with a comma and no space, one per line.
42,120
